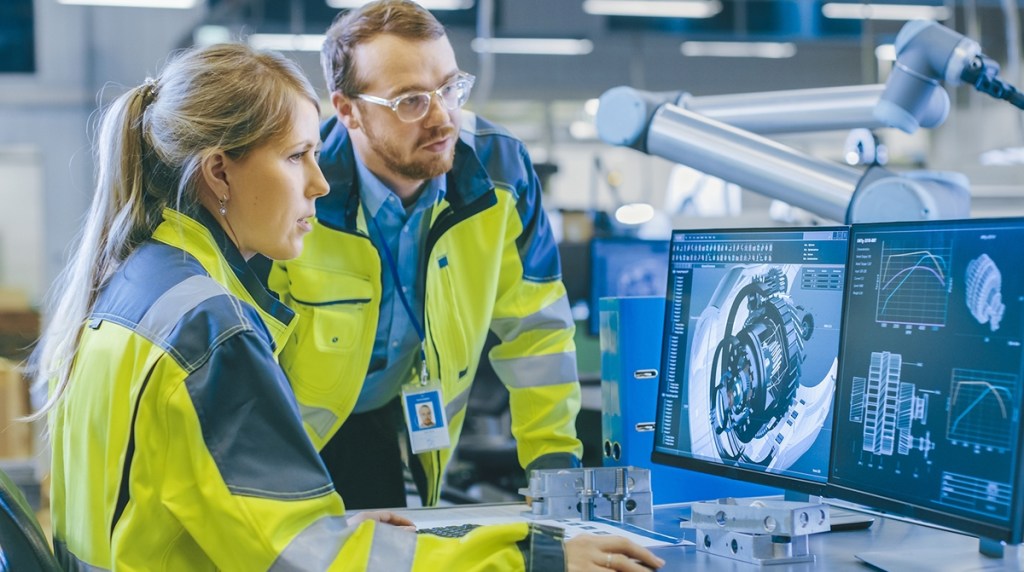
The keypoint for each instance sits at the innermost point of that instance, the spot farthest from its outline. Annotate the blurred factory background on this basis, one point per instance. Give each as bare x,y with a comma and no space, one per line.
541,65
60,59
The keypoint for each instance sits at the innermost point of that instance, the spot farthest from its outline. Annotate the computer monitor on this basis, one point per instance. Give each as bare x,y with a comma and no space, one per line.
621,267
749,354
928,406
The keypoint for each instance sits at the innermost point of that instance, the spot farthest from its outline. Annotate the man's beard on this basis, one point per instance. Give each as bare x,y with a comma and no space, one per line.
413,170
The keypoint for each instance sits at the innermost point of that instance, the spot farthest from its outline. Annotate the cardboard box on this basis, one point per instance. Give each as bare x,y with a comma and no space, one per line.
13,300
19,330
15,436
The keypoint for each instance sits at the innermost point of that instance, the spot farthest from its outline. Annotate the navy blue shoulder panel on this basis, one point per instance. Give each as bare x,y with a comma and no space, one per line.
507,162
251,423
165,295
150,271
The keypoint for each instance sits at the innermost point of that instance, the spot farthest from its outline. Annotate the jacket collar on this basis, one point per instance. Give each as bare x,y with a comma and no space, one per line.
466,181
199,234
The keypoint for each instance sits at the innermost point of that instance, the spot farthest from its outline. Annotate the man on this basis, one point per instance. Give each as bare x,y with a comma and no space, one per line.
432,235
426,416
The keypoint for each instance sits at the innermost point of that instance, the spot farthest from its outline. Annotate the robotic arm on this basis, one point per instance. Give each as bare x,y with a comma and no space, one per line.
927,53
693,131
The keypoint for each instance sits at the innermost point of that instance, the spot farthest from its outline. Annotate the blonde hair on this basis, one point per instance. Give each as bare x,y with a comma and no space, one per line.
149,148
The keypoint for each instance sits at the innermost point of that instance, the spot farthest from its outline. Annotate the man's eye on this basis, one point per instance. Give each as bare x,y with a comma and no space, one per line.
413,102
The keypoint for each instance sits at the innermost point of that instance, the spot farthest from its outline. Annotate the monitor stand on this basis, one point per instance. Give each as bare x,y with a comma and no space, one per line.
840,519
989,556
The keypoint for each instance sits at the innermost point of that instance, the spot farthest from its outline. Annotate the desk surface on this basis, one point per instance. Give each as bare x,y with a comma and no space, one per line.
902,546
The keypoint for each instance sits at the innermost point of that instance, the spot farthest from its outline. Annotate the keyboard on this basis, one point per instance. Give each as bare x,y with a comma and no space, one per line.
449,531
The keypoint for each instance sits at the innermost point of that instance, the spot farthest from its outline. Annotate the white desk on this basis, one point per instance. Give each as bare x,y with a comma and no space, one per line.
906,546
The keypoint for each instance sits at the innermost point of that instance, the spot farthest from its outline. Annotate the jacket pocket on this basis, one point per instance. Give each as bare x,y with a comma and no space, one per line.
334,308
327,357
451,330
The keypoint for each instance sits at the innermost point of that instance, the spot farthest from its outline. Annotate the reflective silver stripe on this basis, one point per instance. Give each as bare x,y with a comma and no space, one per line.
458,403
393,549
536,371
70,562
314,548
319,419
164,314
556,316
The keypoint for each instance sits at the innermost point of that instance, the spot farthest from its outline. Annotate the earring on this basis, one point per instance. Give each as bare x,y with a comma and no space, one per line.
223,210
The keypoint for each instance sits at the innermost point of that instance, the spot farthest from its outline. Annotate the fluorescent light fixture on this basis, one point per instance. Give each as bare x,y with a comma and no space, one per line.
583,130
210,34
773,50
532,46
654,8
886,52
428,4
287,42
837,10
178,4
634,213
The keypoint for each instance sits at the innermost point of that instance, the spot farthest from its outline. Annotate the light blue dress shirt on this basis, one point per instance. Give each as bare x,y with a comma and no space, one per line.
396,347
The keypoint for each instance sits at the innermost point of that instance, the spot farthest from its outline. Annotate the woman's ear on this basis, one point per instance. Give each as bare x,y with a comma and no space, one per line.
215,174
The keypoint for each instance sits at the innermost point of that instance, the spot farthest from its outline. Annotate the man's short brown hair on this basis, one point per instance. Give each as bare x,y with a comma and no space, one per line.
402,18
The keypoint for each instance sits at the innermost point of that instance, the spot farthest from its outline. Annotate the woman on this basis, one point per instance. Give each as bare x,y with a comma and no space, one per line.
177,440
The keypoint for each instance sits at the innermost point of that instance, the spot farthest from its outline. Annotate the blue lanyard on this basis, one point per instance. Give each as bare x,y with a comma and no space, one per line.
398,282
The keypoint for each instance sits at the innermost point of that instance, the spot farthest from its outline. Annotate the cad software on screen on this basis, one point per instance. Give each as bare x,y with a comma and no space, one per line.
750,350
928,407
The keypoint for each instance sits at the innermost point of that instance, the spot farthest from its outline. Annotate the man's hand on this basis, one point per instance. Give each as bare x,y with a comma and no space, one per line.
589,552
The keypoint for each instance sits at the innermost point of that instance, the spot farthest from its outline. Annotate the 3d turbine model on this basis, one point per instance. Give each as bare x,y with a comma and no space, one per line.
756,369
984,291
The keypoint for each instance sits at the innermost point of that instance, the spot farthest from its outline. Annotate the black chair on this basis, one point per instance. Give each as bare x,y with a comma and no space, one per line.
23,546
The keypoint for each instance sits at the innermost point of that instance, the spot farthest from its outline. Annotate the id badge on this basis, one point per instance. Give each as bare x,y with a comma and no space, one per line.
424,417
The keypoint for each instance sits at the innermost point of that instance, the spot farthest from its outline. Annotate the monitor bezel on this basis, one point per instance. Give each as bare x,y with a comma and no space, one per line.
593,300
777,480
1012,533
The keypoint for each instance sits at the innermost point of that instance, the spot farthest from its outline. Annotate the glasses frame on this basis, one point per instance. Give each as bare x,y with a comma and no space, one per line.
393,103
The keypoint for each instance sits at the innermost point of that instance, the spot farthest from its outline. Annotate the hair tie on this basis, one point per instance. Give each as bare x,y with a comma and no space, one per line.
149,91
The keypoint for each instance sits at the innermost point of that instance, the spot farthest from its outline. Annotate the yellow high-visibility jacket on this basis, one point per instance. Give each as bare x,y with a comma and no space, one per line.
179,444
491,263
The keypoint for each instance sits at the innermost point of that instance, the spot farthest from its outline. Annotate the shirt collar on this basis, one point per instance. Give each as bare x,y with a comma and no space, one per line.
373,192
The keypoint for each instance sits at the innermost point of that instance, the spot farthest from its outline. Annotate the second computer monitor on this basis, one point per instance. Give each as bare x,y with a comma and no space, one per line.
749,354
928,405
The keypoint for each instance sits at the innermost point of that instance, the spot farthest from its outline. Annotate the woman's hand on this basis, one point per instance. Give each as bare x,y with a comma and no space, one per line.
382,516
589,552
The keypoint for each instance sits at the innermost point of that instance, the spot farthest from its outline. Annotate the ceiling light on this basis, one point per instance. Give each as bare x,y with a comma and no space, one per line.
533,46
838,10
179,4
583,130
287,42
654,8
211,34
634,213
428,4
773,50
